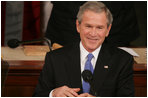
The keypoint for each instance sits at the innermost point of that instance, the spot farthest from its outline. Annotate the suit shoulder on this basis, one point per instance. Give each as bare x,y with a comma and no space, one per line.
117,51
65,50
123,52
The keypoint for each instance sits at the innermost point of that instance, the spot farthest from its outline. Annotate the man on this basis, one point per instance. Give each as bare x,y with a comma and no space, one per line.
110,66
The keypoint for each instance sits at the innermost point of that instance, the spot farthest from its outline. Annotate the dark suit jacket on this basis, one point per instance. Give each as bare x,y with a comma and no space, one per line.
62,67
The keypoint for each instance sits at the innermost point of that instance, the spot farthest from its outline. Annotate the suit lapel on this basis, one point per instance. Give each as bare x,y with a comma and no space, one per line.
74,69
102,67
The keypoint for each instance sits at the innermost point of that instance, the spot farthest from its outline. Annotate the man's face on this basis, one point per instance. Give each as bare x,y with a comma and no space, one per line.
93,29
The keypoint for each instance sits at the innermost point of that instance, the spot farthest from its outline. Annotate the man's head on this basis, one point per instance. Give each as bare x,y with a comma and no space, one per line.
93,23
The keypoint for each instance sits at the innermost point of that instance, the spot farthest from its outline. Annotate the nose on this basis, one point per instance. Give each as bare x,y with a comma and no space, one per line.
93,32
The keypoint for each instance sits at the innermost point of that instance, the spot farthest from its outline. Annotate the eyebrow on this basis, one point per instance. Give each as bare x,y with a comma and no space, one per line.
87,24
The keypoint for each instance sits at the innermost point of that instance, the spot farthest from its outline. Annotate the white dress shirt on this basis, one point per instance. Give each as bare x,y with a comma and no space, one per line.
83,56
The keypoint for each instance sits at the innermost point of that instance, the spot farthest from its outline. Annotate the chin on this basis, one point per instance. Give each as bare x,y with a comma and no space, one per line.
91,48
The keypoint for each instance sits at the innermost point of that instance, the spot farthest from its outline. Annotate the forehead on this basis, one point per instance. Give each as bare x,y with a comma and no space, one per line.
93,17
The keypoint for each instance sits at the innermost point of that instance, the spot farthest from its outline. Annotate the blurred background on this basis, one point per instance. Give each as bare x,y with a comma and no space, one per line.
27,20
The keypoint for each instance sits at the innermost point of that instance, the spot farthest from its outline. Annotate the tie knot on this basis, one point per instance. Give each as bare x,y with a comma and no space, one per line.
90,56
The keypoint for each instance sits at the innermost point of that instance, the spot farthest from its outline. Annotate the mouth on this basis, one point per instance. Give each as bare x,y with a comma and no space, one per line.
92,39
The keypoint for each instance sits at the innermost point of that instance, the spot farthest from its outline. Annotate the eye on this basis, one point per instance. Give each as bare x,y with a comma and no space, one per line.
88,26
100,27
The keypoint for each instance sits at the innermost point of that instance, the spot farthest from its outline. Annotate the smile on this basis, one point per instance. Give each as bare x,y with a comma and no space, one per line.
92,39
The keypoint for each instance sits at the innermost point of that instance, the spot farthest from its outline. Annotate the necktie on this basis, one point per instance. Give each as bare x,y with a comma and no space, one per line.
88,66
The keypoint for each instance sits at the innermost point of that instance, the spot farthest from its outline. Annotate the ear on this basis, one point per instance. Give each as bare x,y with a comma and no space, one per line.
108,29
78,26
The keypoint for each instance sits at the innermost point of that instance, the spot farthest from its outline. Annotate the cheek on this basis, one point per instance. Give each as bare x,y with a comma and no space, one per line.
102,35
84,31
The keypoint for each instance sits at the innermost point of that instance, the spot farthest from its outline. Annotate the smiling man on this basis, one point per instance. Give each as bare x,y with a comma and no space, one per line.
93,29
111,68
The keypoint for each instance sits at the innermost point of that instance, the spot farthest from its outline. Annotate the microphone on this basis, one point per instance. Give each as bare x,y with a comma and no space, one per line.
88,77
13,43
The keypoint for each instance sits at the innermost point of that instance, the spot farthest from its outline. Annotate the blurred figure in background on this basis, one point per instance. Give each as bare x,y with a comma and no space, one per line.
61,25
20,20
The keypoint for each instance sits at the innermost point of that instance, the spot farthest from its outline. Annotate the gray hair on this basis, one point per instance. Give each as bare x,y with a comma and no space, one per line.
96,7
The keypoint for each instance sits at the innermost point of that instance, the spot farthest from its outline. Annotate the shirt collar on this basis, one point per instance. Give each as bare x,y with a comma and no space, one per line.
84,52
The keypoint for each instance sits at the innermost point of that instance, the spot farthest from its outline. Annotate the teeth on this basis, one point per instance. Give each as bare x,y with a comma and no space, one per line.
92,39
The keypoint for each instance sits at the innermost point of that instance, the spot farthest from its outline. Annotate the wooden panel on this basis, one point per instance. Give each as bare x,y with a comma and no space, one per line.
22,80
18,91
20,85
141,92
23,77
